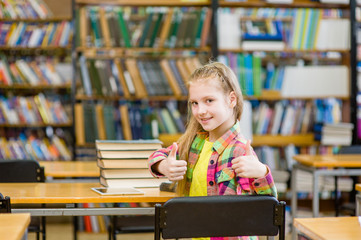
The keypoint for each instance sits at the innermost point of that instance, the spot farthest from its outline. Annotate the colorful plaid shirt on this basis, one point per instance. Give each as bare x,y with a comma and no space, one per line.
221,178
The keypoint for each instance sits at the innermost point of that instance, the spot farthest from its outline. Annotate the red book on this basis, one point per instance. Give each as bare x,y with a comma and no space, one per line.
87,222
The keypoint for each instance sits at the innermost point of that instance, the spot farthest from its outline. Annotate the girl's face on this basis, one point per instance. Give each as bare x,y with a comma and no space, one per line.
211,107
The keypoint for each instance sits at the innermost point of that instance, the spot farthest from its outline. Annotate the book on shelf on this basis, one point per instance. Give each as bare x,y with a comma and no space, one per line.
263,45
337,134
325,81
229,35
138,183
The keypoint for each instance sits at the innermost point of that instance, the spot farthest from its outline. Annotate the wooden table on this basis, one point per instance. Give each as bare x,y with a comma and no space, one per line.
329,228
70,169
322,165
72,193
14,225
61,199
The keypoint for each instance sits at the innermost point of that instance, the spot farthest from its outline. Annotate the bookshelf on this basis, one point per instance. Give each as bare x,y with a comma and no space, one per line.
271,43
35,86
147,56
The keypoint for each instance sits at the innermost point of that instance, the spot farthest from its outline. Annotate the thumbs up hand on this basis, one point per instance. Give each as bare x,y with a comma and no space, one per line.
172,168
249,166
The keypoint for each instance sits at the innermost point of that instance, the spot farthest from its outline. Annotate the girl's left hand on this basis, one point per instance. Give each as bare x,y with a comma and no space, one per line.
249,166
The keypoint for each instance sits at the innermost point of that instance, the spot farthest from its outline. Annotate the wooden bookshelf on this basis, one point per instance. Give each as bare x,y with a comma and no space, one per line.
37,125
34,87
259,140
147,3
38,65
36,20
295,4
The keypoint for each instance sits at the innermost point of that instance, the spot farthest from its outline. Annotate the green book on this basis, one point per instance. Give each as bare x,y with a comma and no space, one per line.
156,29
242,72
95,78
257,71
146,29
197,38
123,28
90,124
109,122
94,19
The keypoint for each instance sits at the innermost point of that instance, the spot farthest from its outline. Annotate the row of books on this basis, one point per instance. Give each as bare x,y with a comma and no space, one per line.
290,80
34,72
24,34
279,12
294,117
124,163
33,147
127,121
94,224
150,27
136,77
309,29
36,109
339,133
27,9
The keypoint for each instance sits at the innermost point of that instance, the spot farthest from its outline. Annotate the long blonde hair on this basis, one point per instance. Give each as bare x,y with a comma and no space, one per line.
228,82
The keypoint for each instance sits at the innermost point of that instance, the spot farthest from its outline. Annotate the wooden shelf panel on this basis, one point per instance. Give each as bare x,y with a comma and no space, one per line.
295,4
34,20
147,3
274,95
34,87
116,98
279,141
36,125
94,52
259,140
240,50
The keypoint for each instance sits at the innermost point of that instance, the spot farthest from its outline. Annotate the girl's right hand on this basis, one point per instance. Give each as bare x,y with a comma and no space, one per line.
172,168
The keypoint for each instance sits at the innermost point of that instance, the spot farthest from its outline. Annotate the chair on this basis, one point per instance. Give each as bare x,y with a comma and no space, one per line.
25,171
220,216
353,149
5,205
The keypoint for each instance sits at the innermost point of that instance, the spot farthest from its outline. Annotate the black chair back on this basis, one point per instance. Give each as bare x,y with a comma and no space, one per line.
21,171
12,171
5,205
220,216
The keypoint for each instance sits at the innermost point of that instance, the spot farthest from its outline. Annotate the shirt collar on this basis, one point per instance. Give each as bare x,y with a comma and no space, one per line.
221,143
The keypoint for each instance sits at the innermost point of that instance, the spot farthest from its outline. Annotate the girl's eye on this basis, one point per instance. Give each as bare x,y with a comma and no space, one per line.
209,100
194,103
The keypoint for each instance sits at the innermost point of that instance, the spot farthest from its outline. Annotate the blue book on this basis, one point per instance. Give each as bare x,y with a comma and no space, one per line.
248,64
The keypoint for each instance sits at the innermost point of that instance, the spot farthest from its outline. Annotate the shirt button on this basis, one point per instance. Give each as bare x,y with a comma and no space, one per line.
212,161
256,184
211,183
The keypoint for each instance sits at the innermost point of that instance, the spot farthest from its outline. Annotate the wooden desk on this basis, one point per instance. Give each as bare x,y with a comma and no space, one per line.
358,199
322,165
330,228
64,169
13,225
72,193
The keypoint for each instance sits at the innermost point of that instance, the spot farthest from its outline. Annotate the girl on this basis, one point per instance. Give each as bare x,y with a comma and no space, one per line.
213,157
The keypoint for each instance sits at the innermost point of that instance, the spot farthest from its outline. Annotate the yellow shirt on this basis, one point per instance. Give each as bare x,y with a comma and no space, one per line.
199,179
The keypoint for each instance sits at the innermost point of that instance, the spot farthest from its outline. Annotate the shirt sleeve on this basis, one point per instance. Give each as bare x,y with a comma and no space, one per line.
264,185
156,157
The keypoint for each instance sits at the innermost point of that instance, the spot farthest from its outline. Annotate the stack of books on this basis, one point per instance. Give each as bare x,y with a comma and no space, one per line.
337,134
124,163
